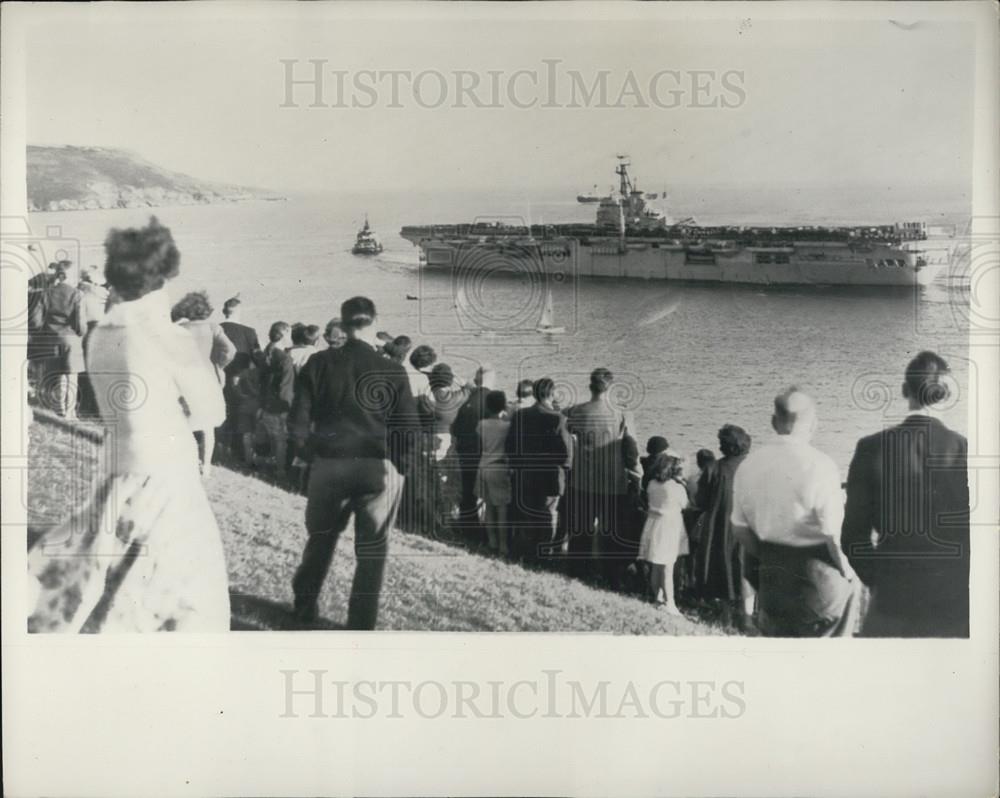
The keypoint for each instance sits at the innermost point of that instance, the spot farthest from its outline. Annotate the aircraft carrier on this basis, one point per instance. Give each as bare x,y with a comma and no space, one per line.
631,240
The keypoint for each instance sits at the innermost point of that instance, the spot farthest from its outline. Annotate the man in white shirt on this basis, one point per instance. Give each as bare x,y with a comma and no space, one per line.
787,513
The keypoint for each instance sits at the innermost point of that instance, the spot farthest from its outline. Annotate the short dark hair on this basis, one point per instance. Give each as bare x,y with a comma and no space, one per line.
704,458
357,312
297,329
923,379
657,444
310,334
230,305
193,306
441,376
600,380
277,331
140,259
399,347
422,357
734,441
496,402
543,388
525,388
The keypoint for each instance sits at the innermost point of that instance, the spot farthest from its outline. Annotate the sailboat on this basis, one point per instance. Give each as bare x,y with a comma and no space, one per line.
545,324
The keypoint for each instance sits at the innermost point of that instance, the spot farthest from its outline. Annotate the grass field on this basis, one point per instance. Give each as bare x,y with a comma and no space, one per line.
429,585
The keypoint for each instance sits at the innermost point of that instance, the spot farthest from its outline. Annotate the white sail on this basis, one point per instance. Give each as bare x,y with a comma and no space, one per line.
548,316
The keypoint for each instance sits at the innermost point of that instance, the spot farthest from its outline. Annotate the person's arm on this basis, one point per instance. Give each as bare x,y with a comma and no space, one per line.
565,448
860,515
286,385
742,531
630,451
403,421
223,350
76,314
300,416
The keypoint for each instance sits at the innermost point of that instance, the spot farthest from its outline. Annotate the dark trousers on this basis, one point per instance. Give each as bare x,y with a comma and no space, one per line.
535,522
468,503
601,540
368,489
802,594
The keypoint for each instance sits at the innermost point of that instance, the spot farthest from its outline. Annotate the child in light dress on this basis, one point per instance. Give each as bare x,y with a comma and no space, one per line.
663,535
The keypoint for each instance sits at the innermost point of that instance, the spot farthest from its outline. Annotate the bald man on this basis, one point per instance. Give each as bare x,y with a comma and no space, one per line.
787,513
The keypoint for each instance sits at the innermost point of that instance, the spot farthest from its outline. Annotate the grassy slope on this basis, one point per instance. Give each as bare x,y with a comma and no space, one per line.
429,585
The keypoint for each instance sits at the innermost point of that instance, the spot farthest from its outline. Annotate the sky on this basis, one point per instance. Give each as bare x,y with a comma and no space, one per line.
812,102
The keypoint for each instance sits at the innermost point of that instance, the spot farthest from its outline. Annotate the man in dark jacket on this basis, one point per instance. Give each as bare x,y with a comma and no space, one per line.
354,419
606,454
64,330
465,434
238,429
908,488
277,390
539,452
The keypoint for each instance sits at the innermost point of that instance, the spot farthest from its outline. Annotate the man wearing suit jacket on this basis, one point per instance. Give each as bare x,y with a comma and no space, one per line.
606,452
908,489
237,430
539,452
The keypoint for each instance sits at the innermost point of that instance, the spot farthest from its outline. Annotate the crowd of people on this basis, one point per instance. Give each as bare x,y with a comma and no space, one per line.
370,426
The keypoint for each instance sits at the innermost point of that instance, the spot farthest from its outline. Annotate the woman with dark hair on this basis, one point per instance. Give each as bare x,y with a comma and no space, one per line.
146,552
719,562
662,534
192,313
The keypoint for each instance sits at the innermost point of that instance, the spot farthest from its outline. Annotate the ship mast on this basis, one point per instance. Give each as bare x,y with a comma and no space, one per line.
625,185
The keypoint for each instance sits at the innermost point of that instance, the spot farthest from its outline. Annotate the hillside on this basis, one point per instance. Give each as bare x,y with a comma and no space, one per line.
83,178
428,586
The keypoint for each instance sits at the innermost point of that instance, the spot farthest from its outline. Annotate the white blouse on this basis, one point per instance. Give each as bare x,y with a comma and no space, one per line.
149,378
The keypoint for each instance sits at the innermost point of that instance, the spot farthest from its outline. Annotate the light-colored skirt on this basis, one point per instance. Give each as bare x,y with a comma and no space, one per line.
663,539
144,555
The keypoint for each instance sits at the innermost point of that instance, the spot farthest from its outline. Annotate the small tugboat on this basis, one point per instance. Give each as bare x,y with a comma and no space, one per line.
366,243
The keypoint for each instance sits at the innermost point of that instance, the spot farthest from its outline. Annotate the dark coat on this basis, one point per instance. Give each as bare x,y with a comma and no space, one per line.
277,380
539,451
909,485
245,340
719,560
353,403
464,429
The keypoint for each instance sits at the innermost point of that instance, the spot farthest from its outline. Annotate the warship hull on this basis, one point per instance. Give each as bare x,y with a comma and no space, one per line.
818,263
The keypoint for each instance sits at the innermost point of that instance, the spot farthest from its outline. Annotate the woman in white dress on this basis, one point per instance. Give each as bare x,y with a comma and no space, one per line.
663,535
145,554
192,312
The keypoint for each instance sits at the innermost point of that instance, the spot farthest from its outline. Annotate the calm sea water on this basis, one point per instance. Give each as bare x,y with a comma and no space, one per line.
688,358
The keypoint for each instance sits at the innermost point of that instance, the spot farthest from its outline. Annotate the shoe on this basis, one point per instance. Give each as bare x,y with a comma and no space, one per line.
306,614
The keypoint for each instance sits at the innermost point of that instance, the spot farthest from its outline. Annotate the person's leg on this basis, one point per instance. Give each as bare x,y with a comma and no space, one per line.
207,450
199,441
375,514
492,527
279,445
502,533
327,514
661,588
